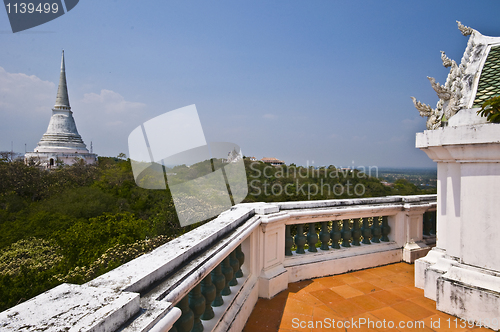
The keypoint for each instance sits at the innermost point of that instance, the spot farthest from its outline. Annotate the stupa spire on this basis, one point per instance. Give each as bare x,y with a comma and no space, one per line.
62,99
61,133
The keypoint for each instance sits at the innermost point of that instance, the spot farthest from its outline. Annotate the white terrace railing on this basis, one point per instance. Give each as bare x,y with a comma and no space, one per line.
210,278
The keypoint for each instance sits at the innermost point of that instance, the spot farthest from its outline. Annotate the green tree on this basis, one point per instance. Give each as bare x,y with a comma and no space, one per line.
491,110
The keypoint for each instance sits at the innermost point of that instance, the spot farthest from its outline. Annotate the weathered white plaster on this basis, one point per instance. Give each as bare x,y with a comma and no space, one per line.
471,294
466,117
414,246
415,250
463,273
337,261
433,272
422,264
272,281
166,323
72,308
147,269
266,209
155,316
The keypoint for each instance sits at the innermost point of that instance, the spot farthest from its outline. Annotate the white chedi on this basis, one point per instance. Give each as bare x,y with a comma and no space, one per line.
61,143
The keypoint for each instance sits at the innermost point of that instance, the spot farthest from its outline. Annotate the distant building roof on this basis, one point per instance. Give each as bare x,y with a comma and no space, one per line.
272,161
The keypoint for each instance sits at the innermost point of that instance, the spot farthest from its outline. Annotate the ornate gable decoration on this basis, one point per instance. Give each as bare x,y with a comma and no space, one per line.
461,86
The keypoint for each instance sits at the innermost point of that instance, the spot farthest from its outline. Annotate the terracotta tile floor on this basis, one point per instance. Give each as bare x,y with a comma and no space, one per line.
370,296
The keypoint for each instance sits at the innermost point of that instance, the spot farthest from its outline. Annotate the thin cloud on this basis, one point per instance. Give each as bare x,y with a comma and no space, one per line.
269,116
111,102
117,117
415,122
25,103
22,93
105,118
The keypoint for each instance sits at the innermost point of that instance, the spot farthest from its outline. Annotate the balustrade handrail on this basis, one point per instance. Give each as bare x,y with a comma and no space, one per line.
181,281
356,201
328,210
141,273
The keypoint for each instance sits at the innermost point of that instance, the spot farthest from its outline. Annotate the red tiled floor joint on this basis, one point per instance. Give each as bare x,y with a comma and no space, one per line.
364,299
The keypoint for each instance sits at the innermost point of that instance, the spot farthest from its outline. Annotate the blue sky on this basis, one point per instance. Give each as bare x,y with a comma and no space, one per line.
302,81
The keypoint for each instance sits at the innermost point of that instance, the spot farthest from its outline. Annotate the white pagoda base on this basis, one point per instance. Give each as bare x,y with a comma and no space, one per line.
54,158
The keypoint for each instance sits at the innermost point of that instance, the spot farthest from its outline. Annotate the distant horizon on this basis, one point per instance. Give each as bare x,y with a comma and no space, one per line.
288,164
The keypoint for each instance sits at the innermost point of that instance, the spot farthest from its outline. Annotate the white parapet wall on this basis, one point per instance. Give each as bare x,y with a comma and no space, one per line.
75,307
463,272
145,294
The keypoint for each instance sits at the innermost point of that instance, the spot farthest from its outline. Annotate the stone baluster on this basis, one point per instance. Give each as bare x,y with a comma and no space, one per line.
312,238
208,291
356,232
386,229
324,236
197,304
433,216
219,281
300,239
376,231
346,233
241,259
335,234
227,271
366,231
288,241
185,323
235,264
427,223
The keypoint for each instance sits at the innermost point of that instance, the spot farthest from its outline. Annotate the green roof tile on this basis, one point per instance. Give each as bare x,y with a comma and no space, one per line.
489,82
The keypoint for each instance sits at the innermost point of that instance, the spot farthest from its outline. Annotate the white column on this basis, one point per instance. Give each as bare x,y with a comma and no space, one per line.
273,277
414,246
463,272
